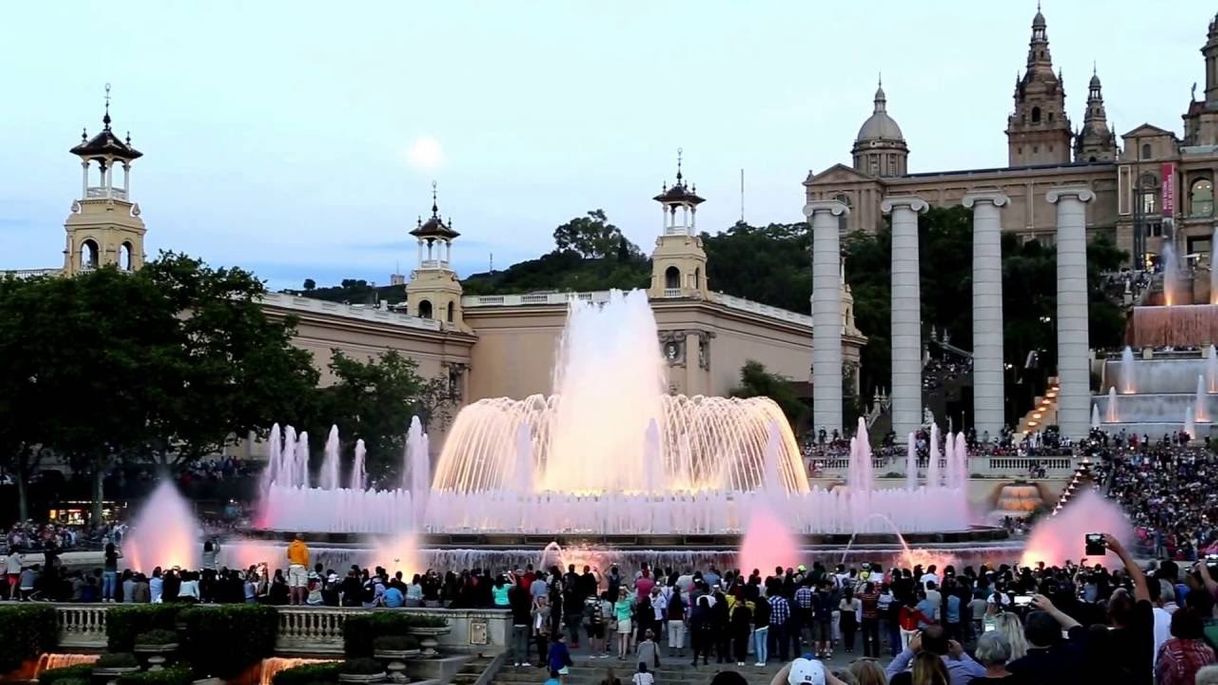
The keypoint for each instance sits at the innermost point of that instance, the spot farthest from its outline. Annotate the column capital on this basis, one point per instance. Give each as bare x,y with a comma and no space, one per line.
913,202
1081,193
834,207
991,195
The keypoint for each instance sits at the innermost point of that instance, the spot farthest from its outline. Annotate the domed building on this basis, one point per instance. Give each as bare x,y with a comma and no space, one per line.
879,148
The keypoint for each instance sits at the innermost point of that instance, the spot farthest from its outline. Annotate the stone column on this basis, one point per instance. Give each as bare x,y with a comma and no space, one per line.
906,314
988,373
1074,399
826,313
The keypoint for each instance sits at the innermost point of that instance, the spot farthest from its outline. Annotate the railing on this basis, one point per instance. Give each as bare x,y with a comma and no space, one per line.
672,292
983,467
733,302
433,264
349,311
28,273
516,300
103,193
310,630
678,230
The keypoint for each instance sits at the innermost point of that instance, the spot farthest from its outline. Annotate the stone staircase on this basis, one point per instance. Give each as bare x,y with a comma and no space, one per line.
1041,415
477,671
674,672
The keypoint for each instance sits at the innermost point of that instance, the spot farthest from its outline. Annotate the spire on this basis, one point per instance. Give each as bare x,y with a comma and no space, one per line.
435,208
881,100
679,151
106,118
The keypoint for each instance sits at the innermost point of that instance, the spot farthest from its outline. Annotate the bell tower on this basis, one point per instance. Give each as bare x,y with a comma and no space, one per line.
1038,132
104,228
434,291
678,264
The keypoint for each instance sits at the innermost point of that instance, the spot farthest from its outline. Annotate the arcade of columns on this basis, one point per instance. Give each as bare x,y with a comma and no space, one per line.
1074,397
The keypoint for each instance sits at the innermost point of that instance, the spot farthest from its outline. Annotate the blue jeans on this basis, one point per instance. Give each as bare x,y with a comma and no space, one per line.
761,646
109,584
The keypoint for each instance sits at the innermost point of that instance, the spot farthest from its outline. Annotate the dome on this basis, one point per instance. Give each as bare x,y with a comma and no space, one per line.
1095,81
879,126
1038,22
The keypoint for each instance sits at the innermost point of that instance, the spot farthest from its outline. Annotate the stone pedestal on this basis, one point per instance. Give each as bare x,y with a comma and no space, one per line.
906,314
826,313
988,364
1074,374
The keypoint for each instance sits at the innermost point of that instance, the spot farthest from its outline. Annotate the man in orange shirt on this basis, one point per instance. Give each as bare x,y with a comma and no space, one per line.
298,570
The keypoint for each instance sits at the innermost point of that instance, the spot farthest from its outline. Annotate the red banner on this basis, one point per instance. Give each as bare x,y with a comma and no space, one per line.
1169,189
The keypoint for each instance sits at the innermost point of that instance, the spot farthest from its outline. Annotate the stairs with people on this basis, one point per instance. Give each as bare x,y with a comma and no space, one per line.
674,671
1043,412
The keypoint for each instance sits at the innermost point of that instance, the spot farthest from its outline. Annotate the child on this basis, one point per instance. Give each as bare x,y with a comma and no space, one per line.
643,677
554,679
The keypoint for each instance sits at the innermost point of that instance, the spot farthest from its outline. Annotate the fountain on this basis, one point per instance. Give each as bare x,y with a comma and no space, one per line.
1190,420
911,462
163,533
933,478
768,542
1127,373
329,465
1172,292
1095,417
1059,538
1200,403
1112,415
1211,367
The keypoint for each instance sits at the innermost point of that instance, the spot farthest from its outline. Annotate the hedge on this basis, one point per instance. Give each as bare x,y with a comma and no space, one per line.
307,674
124,623
223,641
116,660
359,631
174,675
25,632
55,675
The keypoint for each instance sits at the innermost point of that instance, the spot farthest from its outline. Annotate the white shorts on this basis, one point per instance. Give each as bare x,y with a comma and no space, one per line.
297,576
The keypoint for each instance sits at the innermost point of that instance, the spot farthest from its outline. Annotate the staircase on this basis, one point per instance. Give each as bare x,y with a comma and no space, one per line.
1044,413
675,671
477,671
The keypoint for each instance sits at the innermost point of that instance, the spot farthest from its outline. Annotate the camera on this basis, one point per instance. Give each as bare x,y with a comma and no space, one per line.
1095,545
1022,600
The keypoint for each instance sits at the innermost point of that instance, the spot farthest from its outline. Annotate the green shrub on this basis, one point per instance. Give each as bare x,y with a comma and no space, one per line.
124,623
223,641
55,675
307,674
361,666
72,681
359,631
116,660
174,675
157,636
27,630
395,643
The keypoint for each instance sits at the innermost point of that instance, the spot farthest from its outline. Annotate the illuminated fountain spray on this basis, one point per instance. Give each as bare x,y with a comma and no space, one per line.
1211,367
1112,415
1190,420
933,475
1200,401
911,462
1128,386
1172,291
328,479
359,469
164,533
1095,416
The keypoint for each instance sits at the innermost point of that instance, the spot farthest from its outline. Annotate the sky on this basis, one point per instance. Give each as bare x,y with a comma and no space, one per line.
300,139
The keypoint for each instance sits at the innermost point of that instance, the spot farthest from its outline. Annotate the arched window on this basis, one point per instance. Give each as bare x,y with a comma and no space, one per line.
1050,117
1148,194
1201,197
450,312
1091,158
425,309
1035,115
89,254
697,278
124,257
672,278
1146,151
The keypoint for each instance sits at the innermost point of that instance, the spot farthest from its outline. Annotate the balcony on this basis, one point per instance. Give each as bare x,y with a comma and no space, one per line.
672,292
103,193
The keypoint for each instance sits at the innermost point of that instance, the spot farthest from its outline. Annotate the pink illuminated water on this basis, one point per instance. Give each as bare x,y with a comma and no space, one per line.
1059,538
768,542
164,533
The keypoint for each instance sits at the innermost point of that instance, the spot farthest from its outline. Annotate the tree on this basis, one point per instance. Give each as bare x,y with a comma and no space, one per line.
310,285
755,381
591,237
374,401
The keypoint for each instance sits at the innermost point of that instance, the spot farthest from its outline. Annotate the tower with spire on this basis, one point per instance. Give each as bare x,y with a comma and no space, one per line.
879,148
434,291
1038,132
1201,118
1096,141
104,228
678,263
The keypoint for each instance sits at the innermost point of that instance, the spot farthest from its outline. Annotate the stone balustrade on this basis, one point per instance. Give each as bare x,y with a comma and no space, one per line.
983,467
312,630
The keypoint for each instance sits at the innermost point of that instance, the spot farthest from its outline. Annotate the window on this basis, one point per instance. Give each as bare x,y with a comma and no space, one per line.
1050,117
1035,115
1201,197
698,277
1154,229
1150,202
672,278
1091,158
425,309
1146,151
124,257
1035,149
450,312
88,254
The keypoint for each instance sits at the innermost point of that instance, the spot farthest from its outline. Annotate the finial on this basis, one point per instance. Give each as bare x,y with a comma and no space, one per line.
106,118
679,151
435,209
879,81
1037,5
420,221
1093,69
128,138
84,132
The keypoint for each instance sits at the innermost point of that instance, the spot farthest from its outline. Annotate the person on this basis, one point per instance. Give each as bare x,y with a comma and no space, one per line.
623,608
1132,620
869,600
676,624
500,591
27,582
393,598
740,624
211,556
156,585
188,590
110,573
1185,652
780,614
554,679
805,672
298,564
541,626
959,667
522,609
594,625
559,657
1012,629
994,652
761,631
848,609
610,678
12,570
908,619
642,677
648,651
701,632
926,669
868,671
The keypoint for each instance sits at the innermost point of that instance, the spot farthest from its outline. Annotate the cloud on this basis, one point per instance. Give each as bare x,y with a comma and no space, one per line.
425,154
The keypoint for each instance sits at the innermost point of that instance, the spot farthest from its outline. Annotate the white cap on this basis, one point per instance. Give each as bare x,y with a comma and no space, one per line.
806,671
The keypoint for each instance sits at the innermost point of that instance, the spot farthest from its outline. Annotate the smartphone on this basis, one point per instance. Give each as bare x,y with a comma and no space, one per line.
1095,545
1022,600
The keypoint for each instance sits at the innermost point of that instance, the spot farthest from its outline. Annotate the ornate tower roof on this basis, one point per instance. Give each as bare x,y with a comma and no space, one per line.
879,126
1039,132
679,193
106,144
434,228
1095,142
879,148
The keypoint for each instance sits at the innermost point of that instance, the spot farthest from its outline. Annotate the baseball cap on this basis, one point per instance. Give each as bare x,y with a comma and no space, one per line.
806,671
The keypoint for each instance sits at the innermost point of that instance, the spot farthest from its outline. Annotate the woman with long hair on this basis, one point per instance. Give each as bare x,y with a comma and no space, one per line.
867,671
1011,628
928,669
848,613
